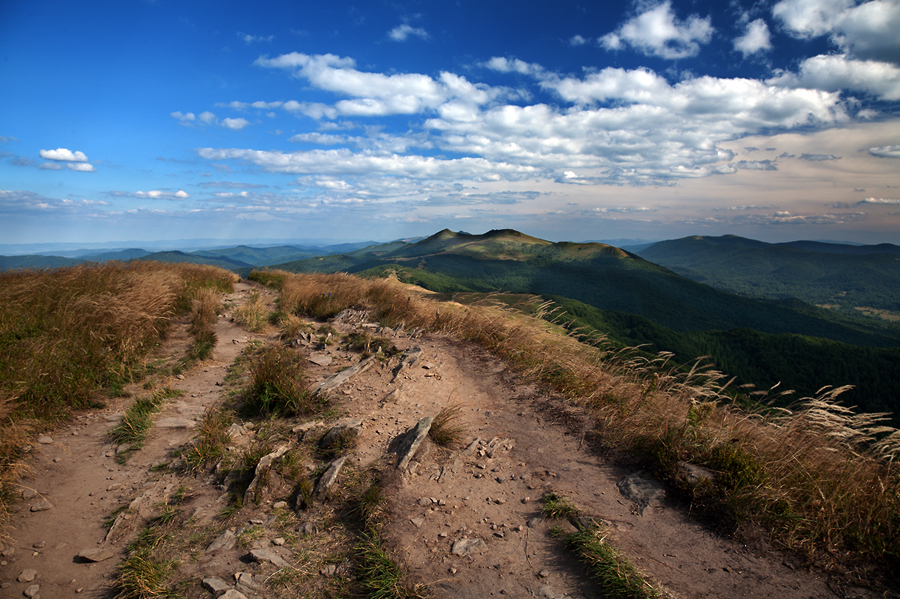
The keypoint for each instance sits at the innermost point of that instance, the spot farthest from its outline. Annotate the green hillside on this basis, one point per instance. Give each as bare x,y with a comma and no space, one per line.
599,275
35,261
636,302
178,257
259,256
817,273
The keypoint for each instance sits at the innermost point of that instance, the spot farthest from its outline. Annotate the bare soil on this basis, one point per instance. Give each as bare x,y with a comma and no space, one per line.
518,444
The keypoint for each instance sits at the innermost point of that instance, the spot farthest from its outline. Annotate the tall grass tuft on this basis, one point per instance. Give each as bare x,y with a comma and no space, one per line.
820,477
279,386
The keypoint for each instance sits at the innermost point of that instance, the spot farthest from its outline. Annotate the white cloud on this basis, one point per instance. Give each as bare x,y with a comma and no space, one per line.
864,31
657,32
819,157
51,166
207,117
252,39
577,40
152,195
401,33
82,167
343,162
755,39
184,118
886,151
63,155
879,201
266,105
838,72
235,124
505,65
376,94
319,138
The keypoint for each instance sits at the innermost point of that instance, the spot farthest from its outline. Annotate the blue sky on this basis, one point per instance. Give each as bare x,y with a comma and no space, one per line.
135,120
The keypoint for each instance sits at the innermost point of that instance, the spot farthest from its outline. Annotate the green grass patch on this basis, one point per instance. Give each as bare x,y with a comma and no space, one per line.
138,419
618,578
554,505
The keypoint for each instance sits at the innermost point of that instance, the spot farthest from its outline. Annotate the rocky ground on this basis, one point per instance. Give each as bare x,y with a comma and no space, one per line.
465,521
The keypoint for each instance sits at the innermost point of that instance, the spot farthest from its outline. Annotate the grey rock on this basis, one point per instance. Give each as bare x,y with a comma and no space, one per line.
417,522
410,357
307,429
466,546
32,592
345,424
324,484
232,594
267,555
28,493
343,376
44,440
696,474
245,579
223,542
262,469
27,575
235,431
545,592
216,586
642,489
321,359
412,441
42,506
96,555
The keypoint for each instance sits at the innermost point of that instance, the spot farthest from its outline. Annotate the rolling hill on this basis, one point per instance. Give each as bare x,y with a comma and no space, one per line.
636,302
817,273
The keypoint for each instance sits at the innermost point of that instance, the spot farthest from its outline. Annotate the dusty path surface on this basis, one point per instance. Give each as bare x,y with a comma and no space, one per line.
466,522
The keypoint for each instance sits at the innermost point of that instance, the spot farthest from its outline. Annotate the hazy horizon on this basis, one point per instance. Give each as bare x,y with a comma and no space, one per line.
646,120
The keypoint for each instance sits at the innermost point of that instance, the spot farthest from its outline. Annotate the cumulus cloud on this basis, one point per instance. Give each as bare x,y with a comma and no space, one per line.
838,72
63,155
207,117
376,94
401,33
879,201
185,118
886,151
343,161
866,31
81,167
235,124
657,32
152,195
755,39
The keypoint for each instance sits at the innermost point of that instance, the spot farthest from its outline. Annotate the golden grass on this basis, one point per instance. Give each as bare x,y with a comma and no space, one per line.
67,335
819,477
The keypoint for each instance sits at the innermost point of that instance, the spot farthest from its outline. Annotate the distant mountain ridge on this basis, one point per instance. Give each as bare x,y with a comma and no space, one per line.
815,272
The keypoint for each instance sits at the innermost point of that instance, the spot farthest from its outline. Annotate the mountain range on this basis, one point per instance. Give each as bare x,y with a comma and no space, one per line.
747,305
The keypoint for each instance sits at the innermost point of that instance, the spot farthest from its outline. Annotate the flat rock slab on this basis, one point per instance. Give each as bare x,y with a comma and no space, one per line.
412,441
232,594
466,546
321,359
42,506
267,555
96,555
343,376
216,586
27,575
643,489
225,541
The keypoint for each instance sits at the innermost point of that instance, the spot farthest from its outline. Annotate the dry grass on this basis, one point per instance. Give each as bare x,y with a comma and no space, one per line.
252,314
446,429
69,335
821,478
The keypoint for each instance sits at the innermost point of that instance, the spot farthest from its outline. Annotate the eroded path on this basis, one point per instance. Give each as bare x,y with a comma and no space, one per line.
465,521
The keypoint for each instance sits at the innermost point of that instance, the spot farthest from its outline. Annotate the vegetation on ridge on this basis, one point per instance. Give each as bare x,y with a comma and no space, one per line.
819,477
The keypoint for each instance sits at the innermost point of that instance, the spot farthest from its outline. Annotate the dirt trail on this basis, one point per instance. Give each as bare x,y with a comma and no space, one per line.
466,522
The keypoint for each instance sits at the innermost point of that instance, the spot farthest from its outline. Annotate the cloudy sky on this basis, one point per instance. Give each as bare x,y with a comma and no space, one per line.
569,120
